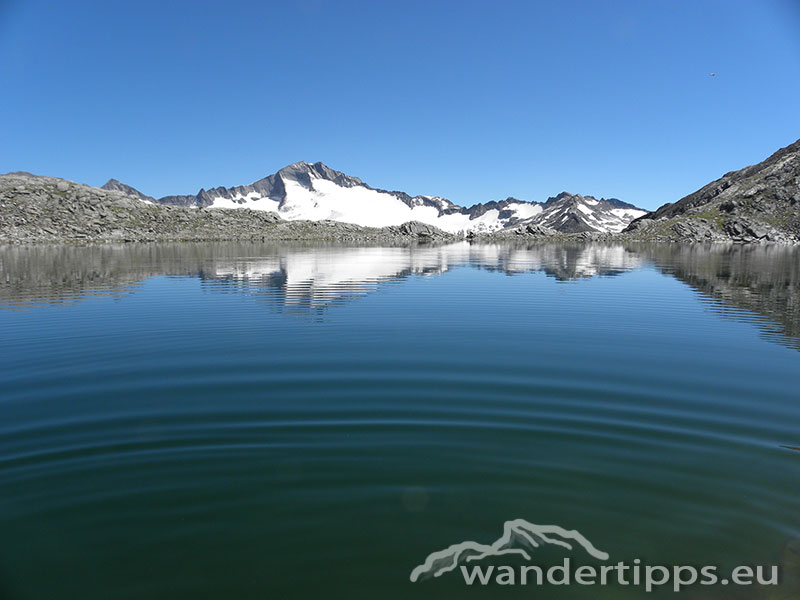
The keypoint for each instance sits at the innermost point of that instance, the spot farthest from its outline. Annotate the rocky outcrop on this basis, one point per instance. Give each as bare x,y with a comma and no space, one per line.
760,203
420,230
37,209
535,230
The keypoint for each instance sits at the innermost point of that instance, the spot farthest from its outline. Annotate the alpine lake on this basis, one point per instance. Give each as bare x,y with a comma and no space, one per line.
236,421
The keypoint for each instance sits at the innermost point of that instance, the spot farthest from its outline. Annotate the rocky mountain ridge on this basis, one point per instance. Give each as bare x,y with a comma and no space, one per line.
313,191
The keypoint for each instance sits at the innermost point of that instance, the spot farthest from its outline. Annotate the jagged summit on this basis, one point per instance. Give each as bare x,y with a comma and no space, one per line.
303,173
314,191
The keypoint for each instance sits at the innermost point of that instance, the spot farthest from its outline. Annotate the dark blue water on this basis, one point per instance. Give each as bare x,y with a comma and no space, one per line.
254,421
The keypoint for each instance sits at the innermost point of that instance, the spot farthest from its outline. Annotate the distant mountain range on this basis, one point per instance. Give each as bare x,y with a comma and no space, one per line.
315,192
759,203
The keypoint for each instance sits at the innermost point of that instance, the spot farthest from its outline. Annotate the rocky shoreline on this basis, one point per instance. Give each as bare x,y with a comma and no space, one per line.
690,231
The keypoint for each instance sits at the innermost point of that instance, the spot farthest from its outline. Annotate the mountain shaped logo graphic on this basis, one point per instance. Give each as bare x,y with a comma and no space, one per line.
519,537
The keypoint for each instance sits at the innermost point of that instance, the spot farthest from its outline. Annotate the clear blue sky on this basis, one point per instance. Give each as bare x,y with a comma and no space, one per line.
469,100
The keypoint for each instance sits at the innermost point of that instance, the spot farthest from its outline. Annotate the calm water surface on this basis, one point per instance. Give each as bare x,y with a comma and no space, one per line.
237,421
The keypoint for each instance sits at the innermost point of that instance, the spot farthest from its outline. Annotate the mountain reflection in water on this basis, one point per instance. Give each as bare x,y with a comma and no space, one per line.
305,281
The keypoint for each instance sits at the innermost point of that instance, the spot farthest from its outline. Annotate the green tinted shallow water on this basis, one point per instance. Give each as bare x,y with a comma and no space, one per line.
250,421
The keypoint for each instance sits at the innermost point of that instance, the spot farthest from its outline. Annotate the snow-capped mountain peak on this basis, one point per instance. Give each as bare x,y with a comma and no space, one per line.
314,191
573,213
